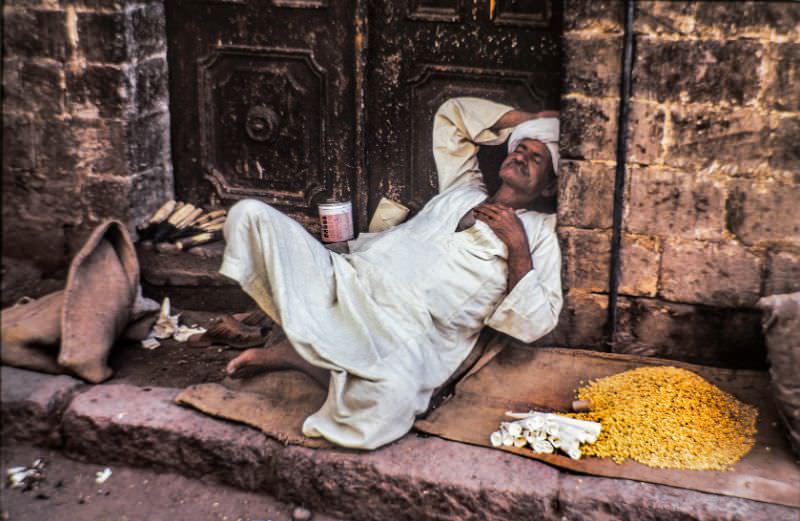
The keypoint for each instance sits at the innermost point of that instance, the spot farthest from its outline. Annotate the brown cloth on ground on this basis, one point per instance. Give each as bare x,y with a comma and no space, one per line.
521,379
278,402
73,330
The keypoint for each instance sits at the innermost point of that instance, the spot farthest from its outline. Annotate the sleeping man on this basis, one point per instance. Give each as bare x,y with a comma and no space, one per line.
383,326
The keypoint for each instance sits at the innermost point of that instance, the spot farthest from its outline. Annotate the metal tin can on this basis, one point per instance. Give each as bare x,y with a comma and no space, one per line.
336,220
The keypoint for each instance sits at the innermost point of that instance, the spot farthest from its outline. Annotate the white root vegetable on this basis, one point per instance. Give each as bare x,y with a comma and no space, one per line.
545,432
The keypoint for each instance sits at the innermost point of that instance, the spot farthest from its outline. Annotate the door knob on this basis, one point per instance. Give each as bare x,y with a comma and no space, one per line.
261,123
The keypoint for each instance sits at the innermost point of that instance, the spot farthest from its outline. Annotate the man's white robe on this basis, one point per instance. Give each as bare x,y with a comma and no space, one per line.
395,317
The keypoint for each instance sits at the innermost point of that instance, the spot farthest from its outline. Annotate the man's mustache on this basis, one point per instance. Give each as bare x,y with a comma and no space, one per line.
520,166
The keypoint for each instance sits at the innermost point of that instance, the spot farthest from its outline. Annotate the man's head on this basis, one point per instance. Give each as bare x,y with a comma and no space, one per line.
530,167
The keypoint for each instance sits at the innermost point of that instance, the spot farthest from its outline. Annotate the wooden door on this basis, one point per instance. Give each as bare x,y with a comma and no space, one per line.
269,97
262,100
422,52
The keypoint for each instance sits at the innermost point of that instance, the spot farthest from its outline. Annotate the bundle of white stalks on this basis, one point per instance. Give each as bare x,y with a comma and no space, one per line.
545,432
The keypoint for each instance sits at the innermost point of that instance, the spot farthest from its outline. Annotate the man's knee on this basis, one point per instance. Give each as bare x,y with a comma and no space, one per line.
244,214
247,211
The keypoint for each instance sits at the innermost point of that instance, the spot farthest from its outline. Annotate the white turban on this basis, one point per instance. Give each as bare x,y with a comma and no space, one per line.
542,129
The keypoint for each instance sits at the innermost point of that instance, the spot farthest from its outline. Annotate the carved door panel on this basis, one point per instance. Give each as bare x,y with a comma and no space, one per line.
422,52
262,100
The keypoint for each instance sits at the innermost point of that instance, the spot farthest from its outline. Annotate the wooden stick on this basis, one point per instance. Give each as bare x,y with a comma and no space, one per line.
196,240
186,221
581,405
210,216
163,212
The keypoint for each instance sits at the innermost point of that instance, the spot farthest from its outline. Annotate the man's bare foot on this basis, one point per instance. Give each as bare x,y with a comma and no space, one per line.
279,357
249,362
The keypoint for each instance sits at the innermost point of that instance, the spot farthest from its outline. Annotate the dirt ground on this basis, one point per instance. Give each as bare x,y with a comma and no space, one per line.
173,364
69,492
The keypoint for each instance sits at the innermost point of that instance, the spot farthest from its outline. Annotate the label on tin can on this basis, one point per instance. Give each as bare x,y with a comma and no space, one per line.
336,220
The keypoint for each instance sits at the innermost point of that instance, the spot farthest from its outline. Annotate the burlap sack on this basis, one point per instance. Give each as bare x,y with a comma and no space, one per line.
782,330
73,330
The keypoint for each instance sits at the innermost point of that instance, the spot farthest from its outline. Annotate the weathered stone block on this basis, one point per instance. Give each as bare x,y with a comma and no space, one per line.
48,196
673,203
733,18
103,4
149,191
99,91
785,145
697,334
33,404
765,210
645,132
592,65
598,16
101,147
108,197
783,90
35,33
701,136
96,420
783,273
586,194
718,274
587,257
151,86
148,142
664,18
148,30
33,87
697,70
19,143
639,261
581,323
102,36
25,3
41,242
588,128
56,149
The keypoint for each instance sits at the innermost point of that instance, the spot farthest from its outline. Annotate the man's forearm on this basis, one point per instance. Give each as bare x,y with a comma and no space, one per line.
512,118
519,263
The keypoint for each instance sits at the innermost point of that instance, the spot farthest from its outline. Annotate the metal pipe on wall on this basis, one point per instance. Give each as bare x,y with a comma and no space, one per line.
619,176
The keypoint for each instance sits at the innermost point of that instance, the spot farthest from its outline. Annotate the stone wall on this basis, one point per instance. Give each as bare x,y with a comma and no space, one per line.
85,121
712,189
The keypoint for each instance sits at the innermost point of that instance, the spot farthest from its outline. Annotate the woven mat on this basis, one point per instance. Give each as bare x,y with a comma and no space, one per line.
276,403
520,379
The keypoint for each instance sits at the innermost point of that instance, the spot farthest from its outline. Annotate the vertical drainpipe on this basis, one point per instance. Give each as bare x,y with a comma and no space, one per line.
361,183
619,176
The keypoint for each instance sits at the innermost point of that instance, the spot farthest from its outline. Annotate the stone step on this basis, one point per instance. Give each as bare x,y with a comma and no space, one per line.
416,478
191,279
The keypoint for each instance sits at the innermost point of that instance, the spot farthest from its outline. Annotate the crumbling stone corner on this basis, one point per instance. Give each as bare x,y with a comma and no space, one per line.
85,120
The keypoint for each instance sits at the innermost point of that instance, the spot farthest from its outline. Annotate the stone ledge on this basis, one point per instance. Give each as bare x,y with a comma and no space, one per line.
33,403
414,478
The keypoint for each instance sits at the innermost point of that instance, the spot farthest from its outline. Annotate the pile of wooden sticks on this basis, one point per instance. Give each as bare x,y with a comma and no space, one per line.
183,224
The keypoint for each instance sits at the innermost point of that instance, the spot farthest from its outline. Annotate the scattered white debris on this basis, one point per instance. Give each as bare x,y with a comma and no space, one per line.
183,333
102,476
168,326
24,477
301,514
150,343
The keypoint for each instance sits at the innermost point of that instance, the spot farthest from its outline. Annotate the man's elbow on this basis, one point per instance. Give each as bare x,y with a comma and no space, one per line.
549,321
